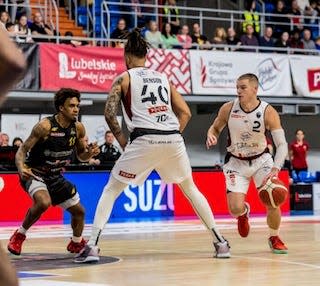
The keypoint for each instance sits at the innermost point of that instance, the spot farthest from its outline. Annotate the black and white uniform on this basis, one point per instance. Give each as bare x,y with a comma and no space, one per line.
247,148
47,160
156,143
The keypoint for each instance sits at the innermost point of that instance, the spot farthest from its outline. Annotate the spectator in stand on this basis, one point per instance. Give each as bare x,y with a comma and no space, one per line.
266,40
298,151
251,17
109,153
295,40
171,13
17,142
295,14
249,39
283,42
40,28
308,43
153,35
220,38
4,139
232,38
4,18
198,38
10,29
169,40
184,37
313,22
317,43
22,29
119,33
280,19
70,41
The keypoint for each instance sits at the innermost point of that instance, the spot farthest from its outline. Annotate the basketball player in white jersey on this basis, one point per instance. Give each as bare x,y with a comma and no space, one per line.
247,119
155,114
12,67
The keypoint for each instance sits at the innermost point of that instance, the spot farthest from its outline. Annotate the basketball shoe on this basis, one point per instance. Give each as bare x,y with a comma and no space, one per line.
222,249
276,245
243,222
15,242
75,247
88,254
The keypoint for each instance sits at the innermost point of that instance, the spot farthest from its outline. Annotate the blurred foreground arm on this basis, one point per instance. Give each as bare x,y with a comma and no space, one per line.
12,63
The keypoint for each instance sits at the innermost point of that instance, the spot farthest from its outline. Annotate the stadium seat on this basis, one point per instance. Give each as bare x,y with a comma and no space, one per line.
307,177
295,177
82,10
82,20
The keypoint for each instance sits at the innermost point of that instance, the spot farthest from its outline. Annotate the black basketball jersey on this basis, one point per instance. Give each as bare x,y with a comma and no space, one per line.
50,155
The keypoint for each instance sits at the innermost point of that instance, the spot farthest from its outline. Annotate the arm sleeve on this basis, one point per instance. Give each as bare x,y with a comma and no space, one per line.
281,144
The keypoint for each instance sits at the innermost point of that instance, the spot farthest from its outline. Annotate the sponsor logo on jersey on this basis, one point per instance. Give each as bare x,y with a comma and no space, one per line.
54,129
127,175
237,115
258,114
156,109
245,136
57,134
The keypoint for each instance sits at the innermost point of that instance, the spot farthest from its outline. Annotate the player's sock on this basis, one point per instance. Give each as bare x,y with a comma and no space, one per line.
110,193
22,230
273,232
76,239
201,207
245,210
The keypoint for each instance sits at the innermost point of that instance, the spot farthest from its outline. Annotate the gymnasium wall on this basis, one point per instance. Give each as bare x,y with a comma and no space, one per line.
152,200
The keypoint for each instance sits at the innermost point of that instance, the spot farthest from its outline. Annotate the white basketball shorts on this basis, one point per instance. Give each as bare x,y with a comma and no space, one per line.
238,173
164,153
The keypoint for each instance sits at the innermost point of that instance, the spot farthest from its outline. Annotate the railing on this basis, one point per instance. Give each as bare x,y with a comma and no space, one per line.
103,42
217,17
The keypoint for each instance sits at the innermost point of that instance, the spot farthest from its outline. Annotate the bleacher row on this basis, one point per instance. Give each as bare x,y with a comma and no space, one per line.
305,177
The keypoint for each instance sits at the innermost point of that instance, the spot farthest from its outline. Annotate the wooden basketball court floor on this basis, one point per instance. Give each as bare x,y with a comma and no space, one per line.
174,252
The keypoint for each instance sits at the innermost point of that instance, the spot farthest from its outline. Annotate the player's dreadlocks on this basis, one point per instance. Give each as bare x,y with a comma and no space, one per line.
136,45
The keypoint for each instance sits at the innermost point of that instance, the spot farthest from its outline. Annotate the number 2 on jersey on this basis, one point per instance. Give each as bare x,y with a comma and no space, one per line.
256,126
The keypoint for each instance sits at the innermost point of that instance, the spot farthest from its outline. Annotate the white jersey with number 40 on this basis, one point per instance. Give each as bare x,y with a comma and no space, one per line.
147,103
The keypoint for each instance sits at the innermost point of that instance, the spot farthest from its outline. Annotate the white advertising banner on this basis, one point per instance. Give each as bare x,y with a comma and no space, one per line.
96,127
305,72
18,125
216,73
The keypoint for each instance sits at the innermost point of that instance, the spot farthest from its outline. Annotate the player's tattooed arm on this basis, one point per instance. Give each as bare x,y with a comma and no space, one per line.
39,132
111,109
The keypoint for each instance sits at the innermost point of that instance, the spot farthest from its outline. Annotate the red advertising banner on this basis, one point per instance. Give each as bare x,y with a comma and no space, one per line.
90,69
175,64
14,202
212,185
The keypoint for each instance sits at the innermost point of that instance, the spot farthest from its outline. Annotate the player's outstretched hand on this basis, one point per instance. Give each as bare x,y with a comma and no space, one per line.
211,140
93,149
273,173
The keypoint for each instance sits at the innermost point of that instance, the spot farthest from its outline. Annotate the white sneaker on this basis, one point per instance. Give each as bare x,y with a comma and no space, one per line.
87,254
222,249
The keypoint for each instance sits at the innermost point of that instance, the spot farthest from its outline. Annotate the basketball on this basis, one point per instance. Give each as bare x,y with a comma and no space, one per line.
273,193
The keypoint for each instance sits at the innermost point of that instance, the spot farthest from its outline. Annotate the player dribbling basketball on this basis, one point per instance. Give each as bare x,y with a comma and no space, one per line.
247,118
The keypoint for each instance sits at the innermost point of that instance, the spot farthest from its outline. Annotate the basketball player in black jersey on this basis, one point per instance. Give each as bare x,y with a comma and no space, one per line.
51,145
12,67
